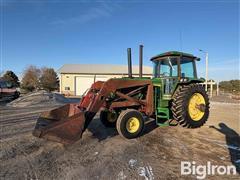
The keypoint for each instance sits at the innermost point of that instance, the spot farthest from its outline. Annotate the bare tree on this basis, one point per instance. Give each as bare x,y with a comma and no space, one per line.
49,79
30,80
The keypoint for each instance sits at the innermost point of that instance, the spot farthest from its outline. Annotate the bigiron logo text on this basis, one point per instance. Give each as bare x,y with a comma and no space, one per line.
201,171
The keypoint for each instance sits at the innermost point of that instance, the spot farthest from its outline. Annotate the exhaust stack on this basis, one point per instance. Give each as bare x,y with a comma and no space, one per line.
140,60
129,62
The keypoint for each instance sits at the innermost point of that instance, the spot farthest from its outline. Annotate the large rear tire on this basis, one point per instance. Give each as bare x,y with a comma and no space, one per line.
130,123
190,106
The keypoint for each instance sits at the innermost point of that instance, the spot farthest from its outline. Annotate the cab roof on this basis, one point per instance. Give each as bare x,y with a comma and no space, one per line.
174,53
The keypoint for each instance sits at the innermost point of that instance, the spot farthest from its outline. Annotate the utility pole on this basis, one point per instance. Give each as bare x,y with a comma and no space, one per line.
206,70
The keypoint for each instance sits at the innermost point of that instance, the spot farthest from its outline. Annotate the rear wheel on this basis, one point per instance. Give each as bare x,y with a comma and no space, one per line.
130,123
108,118
190,106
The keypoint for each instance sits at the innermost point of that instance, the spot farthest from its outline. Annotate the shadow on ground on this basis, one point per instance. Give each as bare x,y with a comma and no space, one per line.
101,132
233,143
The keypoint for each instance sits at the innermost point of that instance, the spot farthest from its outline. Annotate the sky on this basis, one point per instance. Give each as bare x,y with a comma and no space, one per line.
53,33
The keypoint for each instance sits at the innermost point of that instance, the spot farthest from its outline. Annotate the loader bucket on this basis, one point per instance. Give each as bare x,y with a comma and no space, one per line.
64,124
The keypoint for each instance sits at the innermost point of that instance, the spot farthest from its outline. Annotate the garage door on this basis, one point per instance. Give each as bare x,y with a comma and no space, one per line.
83,83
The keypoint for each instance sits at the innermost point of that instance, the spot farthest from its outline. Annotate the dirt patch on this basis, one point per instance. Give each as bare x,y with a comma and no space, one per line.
103,154
38,98
226,98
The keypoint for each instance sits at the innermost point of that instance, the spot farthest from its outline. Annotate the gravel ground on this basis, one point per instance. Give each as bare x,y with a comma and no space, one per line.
227,98
103,154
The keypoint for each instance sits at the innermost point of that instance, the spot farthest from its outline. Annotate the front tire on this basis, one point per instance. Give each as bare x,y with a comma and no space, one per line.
190,106
130,123
108,118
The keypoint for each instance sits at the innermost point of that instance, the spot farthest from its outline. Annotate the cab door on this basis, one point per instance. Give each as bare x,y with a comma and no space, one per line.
169,71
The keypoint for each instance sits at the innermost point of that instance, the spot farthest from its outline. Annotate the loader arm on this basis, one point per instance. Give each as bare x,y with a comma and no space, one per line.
111,86
66,124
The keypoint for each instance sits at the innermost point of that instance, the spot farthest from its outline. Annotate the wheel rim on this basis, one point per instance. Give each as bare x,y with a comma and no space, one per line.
196,106
133,125
112,117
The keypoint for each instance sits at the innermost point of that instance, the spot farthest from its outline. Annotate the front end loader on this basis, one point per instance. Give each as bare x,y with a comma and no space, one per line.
174,93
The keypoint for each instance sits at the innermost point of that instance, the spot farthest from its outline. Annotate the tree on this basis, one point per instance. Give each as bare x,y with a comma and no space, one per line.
49,79
30,80
232,85
236,85
11,77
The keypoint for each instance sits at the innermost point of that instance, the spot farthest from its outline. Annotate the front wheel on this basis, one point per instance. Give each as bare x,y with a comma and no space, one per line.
108,118
130,123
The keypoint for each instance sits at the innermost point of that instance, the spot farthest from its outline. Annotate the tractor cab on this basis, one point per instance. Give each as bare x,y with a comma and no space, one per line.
173,67
175,64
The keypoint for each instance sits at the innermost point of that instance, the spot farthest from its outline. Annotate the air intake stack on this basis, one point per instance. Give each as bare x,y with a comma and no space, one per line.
140,60
129,62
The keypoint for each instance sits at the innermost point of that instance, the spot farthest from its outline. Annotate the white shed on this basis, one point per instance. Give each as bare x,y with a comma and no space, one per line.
75,79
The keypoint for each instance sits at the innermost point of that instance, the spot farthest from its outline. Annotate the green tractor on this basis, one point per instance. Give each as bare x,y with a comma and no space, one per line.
179,95
173,94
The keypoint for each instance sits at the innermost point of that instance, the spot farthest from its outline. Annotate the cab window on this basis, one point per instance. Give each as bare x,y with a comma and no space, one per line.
3,84
166,68
187,68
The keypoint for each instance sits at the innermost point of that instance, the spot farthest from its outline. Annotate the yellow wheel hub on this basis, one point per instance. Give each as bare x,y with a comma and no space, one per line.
194,107
111,117
133,125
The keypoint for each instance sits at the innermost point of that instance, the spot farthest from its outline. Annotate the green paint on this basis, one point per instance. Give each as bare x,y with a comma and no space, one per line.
165,86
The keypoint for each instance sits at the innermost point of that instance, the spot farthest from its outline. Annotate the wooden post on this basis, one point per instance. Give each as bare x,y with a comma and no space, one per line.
211,89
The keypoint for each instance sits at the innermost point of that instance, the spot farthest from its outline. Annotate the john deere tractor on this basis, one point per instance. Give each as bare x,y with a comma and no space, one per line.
174,93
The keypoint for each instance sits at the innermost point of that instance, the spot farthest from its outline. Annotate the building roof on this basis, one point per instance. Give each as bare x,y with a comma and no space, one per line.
173,53
101,69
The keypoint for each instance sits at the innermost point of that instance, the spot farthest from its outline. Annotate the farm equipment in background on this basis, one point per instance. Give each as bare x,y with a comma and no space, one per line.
8,91
173,93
